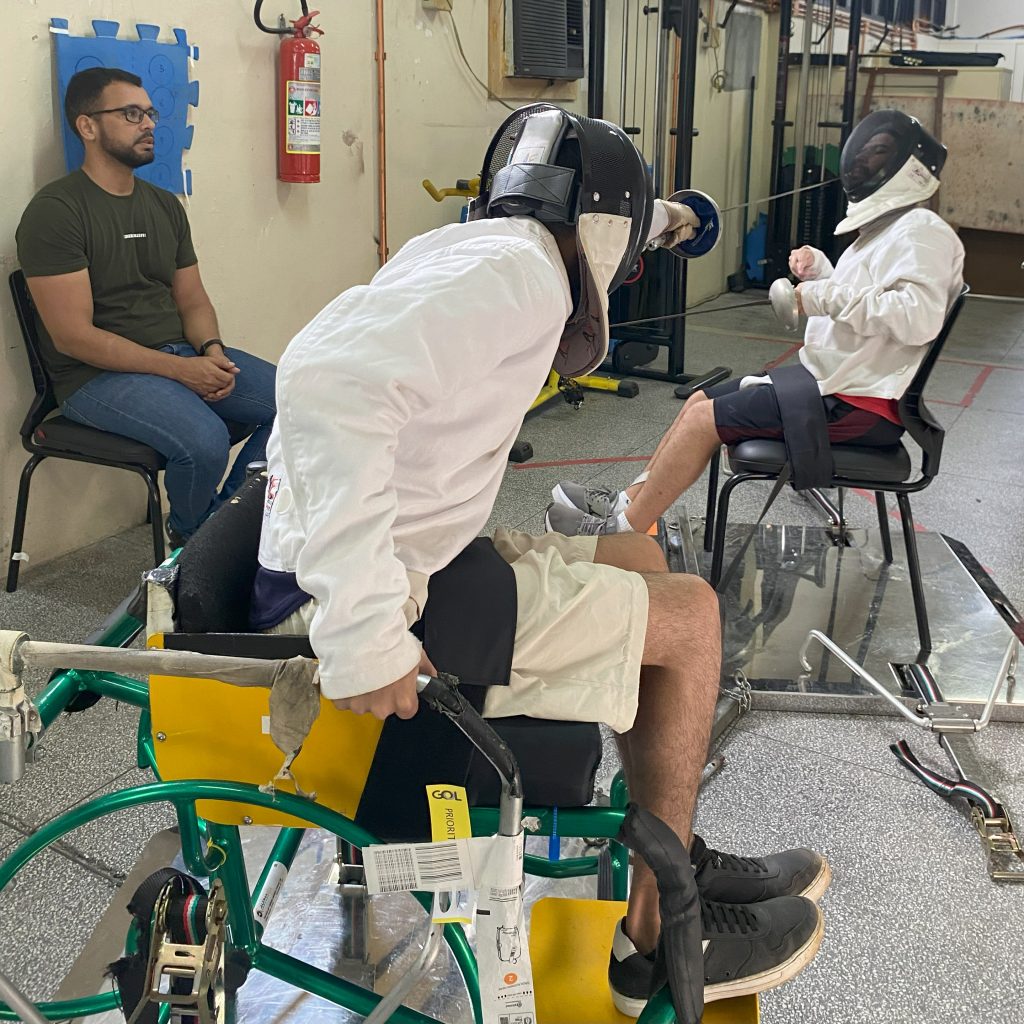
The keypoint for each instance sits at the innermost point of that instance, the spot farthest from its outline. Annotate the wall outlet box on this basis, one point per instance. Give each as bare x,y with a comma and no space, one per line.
438,5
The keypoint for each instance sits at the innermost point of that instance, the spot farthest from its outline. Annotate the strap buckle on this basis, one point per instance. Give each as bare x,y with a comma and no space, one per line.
1003,852
200,967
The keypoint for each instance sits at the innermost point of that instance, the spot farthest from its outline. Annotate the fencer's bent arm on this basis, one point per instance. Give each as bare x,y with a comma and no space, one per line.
912,278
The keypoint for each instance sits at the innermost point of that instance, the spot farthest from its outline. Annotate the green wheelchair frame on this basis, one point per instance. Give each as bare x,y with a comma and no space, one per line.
215,851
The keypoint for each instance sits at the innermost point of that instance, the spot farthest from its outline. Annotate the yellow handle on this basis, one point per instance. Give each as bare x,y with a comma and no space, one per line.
468,188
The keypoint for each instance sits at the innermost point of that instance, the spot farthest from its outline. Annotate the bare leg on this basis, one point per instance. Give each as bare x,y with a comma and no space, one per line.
698,396
665,751
679,460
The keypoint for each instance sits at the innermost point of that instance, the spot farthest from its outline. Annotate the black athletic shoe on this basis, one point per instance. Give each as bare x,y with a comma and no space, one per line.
730,879
751,947
748,948
629,974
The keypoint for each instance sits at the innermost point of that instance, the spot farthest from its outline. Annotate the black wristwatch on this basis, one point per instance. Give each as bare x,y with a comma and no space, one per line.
206,344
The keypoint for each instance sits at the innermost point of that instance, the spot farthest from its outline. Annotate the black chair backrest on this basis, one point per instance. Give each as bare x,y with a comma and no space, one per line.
916,417
44,402
217,566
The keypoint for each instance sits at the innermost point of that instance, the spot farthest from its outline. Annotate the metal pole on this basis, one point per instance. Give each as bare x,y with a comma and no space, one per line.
775,262
852,59
625,57
690,24
380,55
800,128
661,76
595,70
827,118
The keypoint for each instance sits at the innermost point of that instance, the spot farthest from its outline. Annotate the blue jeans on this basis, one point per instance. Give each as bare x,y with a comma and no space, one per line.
188,431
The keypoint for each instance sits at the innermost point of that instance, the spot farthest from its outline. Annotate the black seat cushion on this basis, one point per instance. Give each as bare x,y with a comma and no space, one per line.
871,465
557,762
63,437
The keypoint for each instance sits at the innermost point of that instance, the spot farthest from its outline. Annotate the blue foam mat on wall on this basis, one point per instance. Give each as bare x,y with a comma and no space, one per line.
163,68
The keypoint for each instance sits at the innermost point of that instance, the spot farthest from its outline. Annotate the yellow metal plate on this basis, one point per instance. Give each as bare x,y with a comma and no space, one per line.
213,730
570,942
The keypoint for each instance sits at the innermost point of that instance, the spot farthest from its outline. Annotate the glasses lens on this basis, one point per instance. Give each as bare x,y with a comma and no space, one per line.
135,115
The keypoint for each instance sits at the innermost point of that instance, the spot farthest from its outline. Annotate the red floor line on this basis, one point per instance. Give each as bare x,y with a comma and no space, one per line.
977,362
978,384
785,355
582,462
894,512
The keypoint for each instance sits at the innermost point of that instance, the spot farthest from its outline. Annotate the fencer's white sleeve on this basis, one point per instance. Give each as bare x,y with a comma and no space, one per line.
339,417
659,220
906,299
366,368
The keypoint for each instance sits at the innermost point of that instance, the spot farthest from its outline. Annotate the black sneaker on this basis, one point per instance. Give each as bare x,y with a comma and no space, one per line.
751,947
629,974
748,948
727,878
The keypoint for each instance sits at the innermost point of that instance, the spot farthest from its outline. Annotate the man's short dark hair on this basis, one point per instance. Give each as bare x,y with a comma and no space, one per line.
86,87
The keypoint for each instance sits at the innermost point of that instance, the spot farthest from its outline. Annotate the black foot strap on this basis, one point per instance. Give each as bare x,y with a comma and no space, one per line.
680,957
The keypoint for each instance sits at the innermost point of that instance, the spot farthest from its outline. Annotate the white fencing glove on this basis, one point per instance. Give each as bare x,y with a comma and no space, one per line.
802,262
682,225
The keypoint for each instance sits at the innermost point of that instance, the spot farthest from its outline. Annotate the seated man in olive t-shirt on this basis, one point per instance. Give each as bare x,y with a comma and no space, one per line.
128,333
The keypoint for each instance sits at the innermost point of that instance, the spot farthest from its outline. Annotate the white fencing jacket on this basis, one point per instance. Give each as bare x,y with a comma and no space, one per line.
397,407
871,315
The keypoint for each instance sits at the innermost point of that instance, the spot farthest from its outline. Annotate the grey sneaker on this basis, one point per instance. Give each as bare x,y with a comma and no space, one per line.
596,501
574,522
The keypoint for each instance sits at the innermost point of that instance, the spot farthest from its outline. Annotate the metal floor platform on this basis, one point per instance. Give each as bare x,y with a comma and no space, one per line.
797,578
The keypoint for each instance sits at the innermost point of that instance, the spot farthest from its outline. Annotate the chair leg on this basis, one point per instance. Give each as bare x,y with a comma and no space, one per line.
721,520
20,512
156,515
914,568
709,515
883,525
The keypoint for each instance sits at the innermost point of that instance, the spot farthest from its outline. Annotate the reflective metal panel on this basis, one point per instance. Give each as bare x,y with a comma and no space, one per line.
796,578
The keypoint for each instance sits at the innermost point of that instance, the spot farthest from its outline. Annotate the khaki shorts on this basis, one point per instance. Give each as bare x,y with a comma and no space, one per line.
579,633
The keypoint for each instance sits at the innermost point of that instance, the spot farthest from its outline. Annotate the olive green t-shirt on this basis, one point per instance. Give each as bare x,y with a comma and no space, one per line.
131,246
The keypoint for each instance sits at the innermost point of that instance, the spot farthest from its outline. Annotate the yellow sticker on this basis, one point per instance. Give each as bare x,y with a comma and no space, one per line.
449,812
449,819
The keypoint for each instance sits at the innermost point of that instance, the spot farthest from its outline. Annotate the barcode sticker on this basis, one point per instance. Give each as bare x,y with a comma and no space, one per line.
431,867
445,866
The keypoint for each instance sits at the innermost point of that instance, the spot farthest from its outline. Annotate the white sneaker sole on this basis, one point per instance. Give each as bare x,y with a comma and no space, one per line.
627,1006
755,983
817,888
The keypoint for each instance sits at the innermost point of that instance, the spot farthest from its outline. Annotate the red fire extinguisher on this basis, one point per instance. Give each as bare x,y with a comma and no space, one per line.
298,98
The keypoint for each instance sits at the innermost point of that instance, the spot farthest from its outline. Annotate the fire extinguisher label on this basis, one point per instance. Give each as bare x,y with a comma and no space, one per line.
303,117
312,60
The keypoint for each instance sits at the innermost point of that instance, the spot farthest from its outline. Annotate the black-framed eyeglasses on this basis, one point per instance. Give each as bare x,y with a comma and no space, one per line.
132,113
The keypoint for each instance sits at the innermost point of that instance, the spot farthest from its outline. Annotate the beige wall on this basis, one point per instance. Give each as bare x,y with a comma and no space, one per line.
271,254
